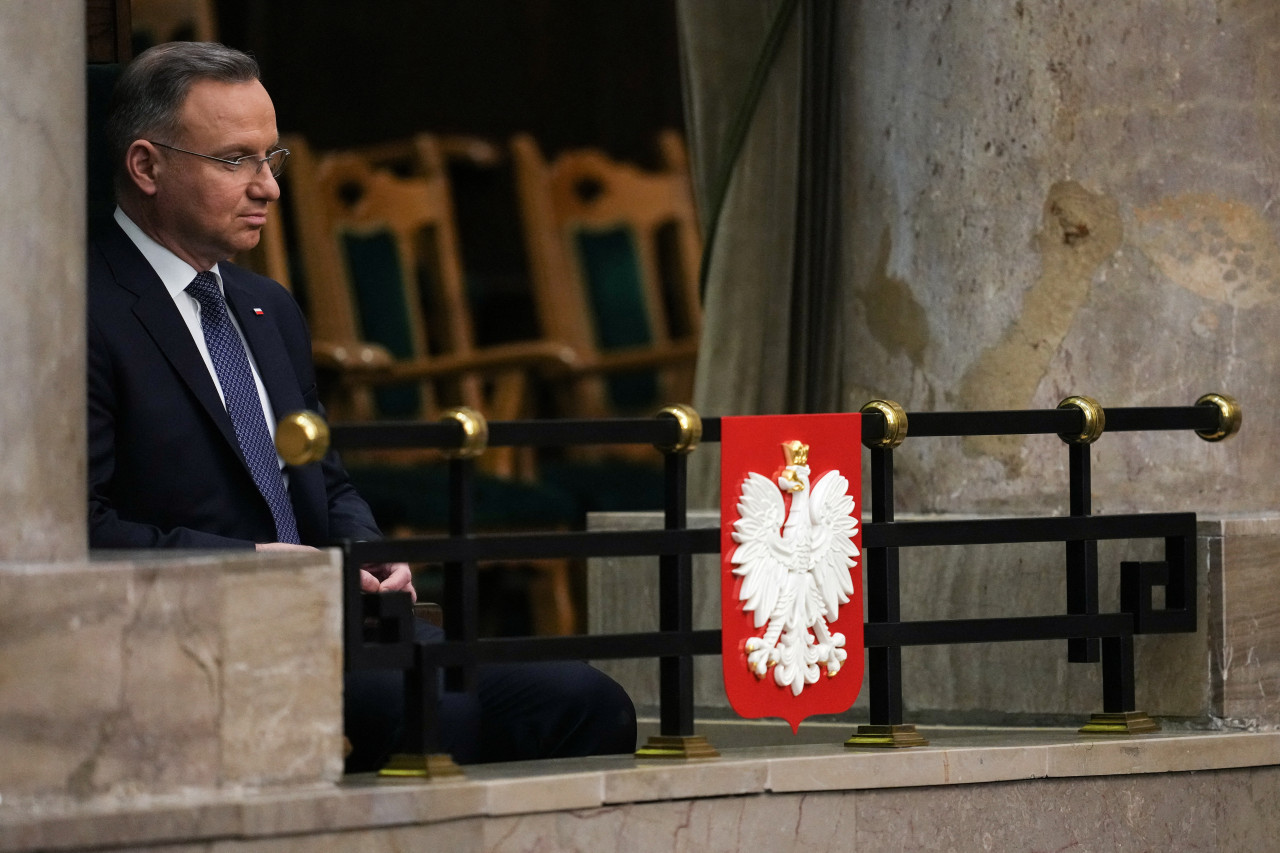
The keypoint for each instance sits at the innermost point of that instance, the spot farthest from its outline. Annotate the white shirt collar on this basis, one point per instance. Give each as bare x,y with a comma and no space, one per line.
174,272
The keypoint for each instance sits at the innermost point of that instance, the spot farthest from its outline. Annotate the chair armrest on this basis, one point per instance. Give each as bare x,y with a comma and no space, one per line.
542,356
429,611
361,357
472,149
643,358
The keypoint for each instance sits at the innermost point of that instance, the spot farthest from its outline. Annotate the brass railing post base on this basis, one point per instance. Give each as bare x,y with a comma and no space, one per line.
887,737
405,765
677,746
1122,723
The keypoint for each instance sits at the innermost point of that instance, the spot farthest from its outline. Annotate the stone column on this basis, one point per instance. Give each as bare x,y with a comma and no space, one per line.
1051,199
42,204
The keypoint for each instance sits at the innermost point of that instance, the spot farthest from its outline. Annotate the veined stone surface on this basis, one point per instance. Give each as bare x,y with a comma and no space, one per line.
1050,787
1050,199
157,673
42,214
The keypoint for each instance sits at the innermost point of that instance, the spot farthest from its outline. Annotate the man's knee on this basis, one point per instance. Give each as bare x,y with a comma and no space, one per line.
617,716
553,710
604,716
522,711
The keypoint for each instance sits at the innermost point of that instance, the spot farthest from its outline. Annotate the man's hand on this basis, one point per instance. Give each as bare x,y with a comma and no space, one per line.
374,577
387,577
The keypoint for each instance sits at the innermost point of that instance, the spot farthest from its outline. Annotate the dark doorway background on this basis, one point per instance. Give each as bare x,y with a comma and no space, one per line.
571,72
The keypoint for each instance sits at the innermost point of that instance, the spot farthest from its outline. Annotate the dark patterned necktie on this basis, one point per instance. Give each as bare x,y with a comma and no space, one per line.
244,406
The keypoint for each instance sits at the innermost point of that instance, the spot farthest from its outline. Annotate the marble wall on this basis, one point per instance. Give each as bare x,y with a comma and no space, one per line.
1116,814
42,193
1126,813
1047,199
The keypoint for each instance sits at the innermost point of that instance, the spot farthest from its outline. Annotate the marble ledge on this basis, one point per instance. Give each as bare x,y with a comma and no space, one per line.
954,757
104,562
1239,524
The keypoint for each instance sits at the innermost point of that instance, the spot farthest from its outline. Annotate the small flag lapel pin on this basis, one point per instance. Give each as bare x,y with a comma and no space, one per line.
258,311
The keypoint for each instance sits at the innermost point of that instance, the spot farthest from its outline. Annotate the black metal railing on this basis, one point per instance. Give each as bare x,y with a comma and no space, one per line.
378,631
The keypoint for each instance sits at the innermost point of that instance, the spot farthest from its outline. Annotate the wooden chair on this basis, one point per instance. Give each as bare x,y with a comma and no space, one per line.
382,268
381,277
614,253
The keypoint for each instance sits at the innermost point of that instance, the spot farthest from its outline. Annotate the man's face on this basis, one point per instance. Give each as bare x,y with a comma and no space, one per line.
203,211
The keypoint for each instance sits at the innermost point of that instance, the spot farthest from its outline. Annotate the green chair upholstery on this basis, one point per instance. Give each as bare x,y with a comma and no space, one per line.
378,288
611,271
416,495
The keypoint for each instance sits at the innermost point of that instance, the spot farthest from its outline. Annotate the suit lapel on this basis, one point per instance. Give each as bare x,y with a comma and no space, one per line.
156,312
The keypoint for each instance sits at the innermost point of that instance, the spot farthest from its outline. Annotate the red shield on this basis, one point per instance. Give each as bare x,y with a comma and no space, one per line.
791,564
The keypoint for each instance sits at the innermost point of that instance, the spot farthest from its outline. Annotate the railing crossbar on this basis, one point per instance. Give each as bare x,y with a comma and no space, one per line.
1046,422
993,531
643,644
1004,629
569,432
654,644
896,534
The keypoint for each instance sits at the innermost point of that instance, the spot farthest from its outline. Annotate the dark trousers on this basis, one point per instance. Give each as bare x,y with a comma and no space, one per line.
518,712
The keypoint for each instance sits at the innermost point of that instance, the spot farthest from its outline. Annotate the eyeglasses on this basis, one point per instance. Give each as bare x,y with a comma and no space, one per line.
273,161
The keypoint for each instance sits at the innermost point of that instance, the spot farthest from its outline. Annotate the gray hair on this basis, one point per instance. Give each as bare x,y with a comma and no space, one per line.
149,95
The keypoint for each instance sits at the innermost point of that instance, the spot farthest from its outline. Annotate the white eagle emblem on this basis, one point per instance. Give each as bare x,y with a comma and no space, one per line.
795,575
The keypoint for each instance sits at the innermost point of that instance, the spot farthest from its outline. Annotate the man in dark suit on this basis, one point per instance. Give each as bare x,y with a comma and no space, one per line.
190,361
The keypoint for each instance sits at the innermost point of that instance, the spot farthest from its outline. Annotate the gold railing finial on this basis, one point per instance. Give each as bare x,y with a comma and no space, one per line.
690,428
895,423
1095,420
475,432
302,438
1229,416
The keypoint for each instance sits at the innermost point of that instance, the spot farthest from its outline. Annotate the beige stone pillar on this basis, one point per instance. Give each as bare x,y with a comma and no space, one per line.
42,204
1050,199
